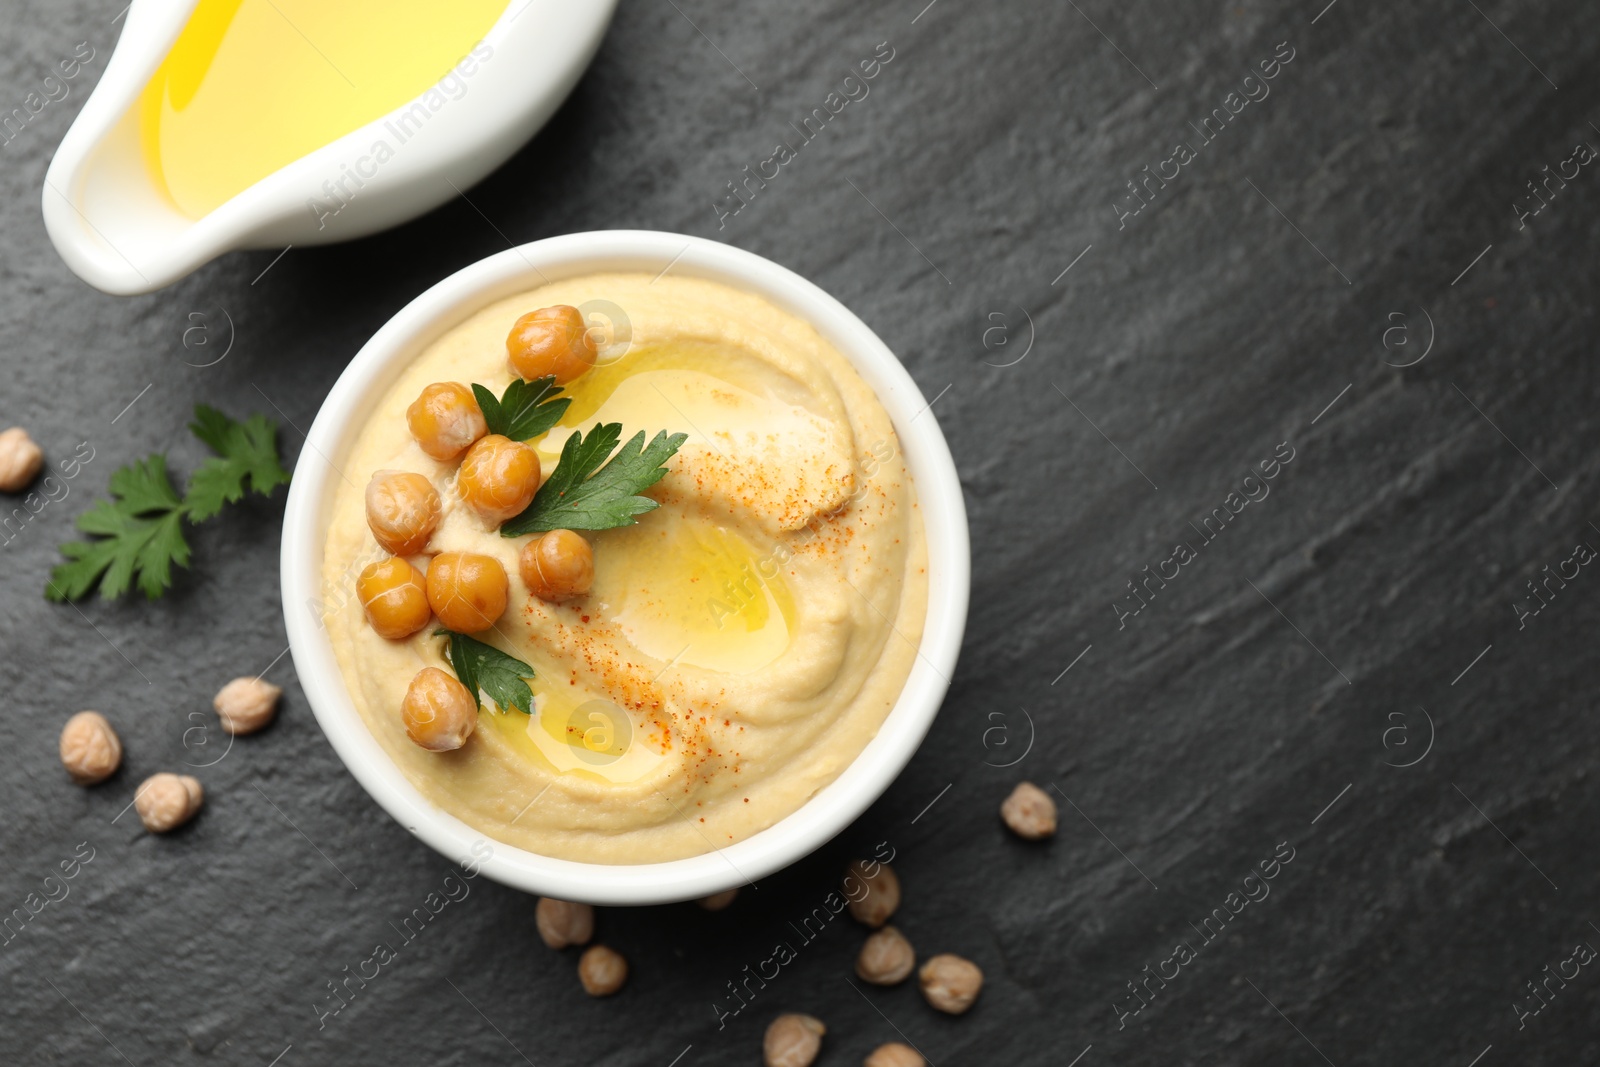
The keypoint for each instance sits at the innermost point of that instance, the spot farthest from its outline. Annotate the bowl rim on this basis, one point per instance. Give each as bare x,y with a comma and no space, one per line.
519,269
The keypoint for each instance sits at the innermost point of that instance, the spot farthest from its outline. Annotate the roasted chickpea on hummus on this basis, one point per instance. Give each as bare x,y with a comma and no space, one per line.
727,656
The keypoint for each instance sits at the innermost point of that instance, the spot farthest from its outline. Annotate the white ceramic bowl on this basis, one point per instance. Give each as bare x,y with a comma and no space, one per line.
445,305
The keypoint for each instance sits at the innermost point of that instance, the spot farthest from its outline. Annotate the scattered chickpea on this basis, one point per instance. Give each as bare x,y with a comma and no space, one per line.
552,340
245,705
438,712
882,894
445,420
895,1054
166,801
557,566
562,923
950,983
20,460
718,901
498,478
402,511
394,595
792,1041
467,591
602,971
90,749
1029,812
887,958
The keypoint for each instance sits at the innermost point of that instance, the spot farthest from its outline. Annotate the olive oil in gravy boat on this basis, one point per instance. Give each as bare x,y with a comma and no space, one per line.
112,221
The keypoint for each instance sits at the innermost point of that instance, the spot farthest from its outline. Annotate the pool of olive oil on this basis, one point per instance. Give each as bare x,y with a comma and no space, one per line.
253,85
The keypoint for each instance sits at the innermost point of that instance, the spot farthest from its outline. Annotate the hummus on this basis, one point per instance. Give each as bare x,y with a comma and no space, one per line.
740,645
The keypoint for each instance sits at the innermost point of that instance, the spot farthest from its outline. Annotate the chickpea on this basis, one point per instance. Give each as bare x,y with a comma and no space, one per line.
1029,812
882,894
167,801
438,712
894,1054
792,1041
887,958
498,478
950,983
446,420
394,594
402,511
718,901
467,591
557,566
247,704
20,460
562,923
602,971
553,340
90,749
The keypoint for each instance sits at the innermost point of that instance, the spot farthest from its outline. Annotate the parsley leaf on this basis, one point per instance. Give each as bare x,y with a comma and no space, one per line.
141,537
139,532
580,494
484,669
246,451
525,411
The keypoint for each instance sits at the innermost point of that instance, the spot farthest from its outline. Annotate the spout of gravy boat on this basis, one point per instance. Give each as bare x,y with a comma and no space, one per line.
109,214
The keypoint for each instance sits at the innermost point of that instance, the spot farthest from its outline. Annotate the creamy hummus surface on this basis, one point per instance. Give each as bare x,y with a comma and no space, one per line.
740,645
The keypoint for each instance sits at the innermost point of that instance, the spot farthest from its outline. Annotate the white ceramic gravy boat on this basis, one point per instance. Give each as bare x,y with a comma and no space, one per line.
116,228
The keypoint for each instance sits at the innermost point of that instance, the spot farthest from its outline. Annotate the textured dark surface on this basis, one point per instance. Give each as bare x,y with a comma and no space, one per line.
1222,720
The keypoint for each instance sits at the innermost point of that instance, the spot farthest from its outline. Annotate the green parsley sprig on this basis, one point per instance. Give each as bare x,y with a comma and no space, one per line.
525,411
580,494
484,669
138,533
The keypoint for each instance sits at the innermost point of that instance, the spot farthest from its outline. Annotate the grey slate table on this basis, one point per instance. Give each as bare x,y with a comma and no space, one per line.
1349,270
